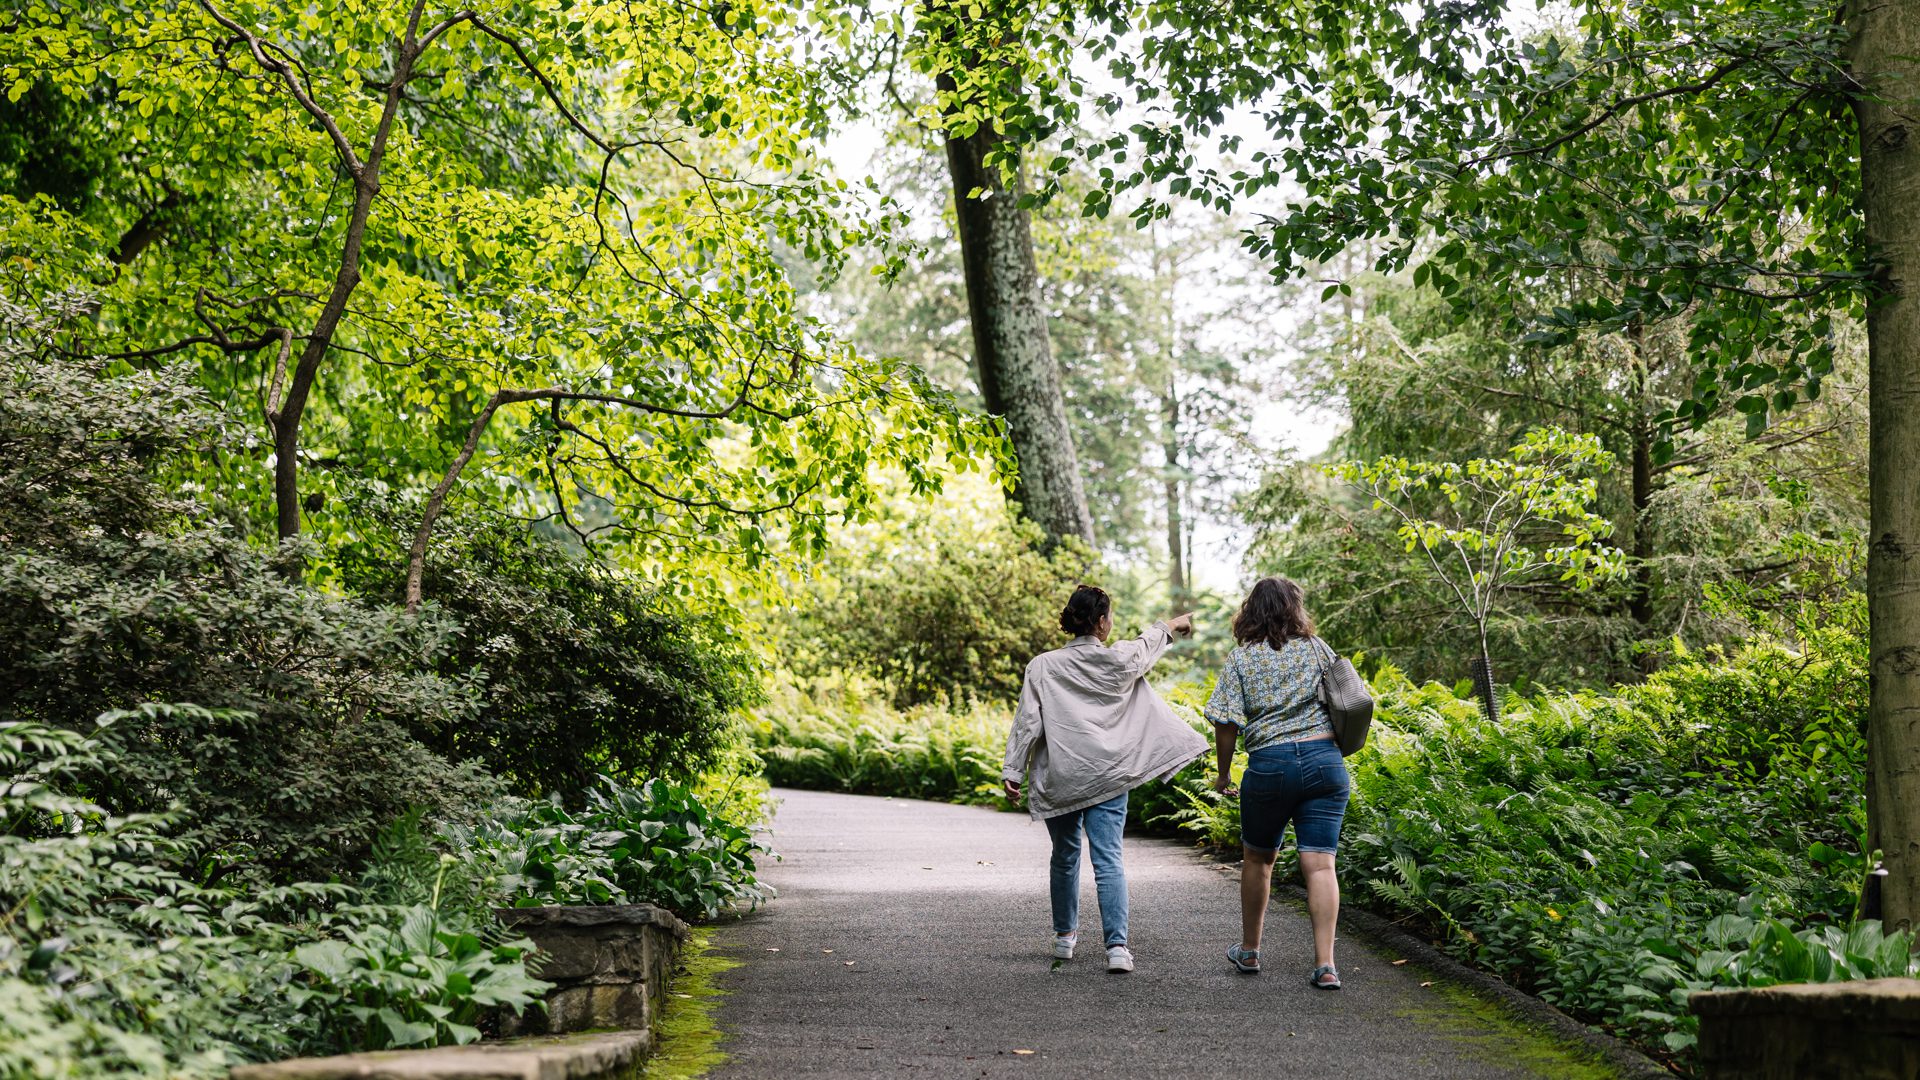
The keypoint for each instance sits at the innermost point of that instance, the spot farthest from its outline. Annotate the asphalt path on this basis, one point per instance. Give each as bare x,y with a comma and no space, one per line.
913,939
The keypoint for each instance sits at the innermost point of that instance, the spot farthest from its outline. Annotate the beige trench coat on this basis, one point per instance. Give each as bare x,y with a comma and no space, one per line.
1089,727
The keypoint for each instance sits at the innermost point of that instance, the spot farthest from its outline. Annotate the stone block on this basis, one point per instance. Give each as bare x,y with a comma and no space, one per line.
570,954
610,963
599,1005
614,1055
1867,1030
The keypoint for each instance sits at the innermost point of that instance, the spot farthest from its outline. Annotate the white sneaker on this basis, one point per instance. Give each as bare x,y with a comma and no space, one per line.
1063,946
1119,960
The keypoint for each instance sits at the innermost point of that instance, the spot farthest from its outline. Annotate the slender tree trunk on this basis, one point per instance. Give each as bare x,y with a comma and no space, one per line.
1012,354
1885,47
1640,600
1483,685
1177,585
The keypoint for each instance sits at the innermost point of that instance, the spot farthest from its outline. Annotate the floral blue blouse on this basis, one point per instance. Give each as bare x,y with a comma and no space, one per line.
1272,696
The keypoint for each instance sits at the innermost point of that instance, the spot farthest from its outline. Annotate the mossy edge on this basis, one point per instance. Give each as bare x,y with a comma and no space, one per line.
687,1040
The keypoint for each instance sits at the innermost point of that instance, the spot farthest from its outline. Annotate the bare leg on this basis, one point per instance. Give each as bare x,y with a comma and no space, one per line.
1323,901
1256,885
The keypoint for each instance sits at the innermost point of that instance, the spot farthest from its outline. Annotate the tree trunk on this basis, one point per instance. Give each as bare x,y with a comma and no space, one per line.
1013,357
1483,687
1885,45
1640,599
1177,586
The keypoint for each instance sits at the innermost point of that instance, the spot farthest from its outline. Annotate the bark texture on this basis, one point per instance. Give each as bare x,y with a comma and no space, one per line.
1013,356
1885,45
1177,585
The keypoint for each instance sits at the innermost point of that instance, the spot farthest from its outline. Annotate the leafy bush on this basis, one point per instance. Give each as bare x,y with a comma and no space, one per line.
581,671
419,980
1583,847
653,844
1769,952
945,611
111,962
852,740
115,591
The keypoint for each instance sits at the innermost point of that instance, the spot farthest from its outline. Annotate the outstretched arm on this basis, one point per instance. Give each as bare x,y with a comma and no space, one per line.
1142,652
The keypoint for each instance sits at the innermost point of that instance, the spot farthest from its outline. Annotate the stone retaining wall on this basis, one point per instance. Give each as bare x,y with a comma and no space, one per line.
610,964
1867,1030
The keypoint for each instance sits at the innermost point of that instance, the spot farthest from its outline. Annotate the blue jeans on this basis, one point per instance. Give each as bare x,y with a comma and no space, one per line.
1103,824
1303,782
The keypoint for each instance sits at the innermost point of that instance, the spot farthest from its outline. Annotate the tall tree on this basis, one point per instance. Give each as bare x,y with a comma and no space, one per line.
1013,357
425,241
1884,56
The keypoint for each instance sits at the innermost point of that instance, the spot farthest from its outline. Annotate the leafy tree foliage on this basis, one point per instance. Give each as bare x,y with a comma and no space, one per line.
1489,525
941,606
386,230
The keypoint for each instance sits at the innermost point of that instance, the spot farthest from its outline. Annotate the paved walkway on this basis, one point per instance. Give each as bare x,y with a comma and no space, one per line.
911,938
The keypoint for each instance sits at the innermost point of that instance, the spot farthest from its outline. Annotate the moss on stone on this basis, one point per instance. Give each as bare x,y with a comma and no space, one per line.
1486,1030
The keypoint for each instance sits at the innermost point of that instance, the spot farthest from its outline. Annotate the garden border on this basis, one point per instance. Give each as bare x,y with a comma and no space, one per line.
1380,931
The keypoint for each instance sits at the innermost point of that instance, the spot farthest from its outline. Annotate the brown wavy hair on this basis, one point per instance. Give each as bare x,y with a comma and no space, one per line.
1274,612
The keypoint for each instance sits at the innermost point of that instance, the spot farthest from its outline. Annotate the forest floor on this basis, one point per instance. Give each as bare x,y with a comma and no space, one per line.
912,938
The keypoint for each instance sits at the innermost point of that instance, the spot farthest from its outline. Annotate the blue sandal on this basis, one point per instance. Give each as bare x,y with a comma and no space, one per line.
1325,978
1246,961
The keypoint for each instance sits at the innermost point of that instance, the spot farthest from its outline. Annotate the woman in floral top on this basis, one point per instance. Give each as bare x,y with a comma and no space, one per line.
1268,699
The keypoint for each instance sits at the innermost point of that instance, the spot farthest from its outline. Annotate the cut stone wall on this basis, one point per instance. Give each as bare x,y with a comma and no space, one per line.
1867,1030
609,963
610,1055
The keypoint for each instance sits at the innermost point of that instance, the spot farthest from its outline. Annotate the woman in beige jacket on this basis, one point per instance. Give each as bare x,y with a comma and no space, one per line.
1089,730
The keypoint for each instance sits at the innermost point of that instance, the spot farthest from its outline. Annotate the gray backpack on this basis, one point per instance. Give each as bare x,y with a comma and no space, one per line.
1348,700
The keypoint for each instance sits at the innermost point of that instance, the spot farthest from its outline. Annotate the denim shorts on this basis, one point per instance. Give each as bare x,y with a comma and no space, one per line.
1303,782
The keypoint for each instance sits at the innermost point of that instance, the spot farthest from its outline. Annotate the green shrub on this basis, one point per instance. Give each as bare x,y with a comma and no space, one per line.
1735,950
1587,835
412,976
117,590
578,671
852,740
947,611
653,844
112,962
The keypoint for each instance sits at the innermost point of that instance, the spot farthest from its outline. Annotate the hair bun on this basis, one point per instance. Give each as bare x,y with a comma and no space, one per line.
1084,610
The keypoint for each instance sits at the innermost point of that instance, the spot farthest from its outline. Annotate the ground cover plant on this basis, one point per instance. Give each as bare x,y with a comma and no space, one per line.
657,843
115,960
